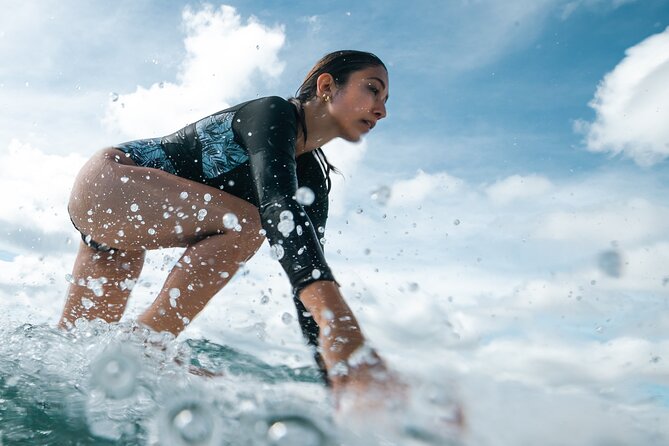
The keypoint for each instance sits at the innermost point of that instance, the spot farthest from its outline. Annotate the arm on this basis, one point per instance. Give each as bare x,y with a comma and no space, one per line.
267,128
340,333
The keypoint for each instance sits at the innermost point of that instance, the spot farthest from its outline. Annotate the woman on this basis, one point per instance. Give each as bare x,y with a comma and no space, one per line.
218,187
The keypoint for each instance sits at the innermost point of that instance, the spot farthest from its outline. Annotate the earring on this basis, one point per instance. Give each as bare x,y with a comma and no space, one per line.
326,98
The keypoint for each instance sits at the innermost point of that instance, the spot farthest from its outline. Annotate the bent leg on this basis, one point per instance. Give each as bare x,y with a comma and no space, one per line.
203,269
131,209
101,284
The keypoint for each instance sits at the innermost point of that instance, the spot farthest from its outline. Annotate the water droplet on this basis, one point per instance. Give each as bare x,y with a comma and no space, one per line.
316,273
230,220
174,293
151,231
305,196
113,96
456,222
178,229
183,195
286,318
207,198
134,207
381,195
610,263
277,252
359,211
87,303
294,430
286,224
115,372
189,422
201,214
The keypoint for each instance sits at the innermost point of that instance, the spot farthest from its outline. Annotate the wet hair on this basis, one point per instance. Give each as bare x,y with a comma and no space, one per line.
340,65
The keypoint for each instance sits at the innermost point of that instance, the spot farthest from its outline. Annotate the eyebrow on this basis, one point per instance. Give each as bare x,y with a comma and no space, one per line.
382,83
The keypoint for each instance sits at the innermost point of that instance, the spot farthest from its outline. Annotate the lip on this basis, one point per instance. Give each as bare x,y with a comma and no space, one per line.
369,123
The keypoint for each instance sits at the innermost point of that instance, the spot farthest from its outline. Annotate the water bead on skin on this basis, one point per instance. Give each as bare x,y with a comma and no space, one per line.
230,221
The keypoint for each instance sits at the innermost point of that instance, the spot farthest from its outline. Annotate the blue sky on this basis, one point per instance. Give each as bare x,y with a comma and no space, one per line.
525,141
489,84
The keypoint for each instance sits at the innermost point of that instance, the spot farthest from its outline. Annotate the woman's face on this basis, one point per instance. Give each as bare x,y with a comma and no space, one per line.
357,105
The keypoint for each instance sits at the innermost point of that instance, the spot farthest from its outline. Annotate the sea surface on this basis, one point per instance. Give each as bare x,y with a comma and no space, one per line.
576,359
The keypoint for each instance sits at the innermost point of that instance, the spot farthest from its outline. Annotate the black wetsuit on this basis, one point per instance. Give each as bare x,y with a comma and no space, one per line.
249,151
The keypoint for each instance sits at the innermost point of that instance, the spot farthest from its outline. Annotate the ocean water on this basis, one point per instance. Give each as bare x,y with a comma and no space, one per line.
115,384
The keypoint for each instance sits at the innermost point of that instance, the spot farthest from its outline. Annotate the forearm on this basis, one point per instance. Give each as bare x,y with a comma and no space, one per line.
340,334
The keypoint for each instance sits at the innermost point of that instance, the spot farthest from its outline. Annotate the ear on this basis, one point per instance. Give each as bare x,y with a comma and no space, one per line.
325,85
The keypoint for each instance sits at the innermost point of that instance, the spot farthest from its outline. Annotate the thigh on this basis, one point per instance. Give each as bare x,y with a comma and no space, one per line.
131,207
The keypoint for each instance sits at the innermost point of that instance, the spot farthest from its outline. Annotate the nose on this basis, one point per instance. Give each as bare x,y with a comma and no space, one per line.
380,110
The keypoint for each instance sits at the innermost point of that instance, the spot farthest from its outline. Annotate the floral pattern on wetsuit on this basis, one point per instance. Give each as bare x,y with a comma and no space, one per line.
148,153
220,152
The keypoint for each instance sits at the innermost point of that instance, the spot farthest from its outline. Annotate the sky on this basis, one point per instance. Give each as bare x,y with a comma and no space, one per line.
523,161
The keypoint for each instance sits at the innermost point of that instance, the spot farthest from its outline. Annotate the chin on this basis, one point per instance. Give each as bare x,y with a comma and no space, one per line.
357,137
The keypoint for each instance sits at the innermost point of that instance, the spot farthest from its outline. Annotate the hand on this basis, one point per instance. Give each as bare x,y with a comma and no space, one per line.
364,382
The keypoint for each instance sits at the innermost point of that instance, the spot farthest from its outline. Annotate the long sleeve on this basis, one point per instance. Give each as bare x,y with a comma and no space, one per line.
267,128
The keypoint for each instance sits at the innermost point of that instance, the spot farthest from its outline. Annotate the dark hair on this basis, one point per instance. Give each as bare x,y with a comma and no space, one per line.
339,64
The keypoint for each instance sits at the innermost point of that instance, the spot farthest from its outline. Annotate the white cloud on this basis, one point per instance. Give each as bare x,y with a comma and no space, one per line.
630,221
422,186
36,187
224,58
346,158
517,187
631,103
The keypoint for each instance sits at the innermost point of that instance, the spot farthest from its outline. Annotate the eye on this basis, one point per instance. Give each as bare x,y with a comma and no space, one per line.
373,89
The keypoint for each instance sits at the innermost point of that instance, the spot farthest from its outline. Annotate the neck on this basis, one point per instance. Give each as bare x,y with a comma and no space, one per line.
320,129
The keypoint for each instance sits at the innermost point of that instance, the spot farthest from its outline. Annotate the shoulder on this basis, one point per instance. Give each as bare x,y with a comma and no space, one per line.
268,105
270,114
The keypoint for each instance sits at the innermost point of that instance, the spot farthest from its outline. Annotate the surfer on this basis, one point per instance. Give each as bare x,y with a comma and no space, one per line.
218,188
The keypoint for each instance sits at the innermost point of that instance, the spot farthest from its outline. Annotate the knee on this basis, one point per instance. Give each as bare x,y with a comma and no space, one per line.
250,232
249,239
